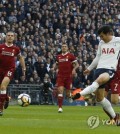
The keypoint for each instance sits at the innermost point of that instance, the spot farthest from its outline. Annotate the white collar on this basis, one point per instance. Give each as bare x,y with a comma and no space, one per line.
64,53
9,45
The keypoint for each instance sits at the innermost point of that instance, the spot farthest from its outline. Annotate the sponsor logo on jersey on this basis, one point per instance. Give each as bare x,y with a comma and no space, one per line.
7,53
108,51
63,60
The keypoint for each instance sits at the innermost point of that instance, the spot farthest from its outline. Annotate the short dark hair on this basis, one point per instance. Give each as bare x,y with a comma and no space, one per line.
10,31
105,30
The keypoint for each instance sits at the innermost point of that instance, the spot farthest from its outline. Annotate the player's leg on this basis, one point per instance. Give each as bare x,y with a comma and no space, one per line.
107,106
105,103
102,79
113,87
60,98
3,95
68,87
60,91
107,89
114,98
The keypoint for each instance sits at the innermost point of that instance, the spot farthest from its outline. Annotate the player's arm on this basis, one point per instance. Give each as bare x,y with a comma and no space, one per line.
94,62
22,63
75,66
56,64
56,67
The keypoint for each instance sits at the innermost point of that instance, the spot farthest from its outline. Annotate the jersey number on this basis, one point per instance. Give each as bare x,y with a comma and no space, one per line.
116,85
9,73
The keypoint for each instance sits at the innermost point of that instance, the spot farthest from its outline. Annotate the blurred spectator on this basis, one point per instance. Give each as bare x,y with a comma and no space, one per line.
22,80
46,92
76,81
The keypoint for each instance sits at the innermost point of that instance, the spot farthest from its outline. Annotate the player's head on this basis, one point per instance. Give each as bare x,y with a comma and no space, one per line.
64,48
10,36
105,33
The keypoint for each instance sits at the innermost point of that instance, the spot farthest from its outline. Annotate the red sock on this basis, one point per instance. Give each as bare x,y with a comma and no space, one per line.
60,100
2,100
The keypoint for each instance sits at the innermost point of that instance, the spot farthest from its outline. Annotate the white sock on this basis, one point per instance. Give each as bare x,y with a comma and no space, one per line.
90,89
60,95
3,92
108,107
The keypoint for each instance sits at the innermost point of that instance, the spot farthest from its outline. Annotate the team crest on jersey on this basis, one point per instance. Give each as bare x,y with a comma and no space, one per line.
108,51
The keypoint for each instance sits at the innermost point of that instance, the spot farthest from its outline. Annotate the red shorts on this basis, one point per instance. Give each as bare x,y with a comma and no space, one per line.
6,73
113,86
65,82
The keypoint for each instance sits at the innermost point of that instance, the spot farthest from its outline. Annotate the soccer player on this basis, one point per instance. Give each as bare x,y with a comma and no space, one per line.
114,86
66,64
8,53
105,63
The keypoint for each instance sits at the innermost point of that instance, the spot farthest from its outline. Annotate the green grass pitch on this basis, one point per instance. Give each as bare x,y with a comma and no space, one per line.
46,120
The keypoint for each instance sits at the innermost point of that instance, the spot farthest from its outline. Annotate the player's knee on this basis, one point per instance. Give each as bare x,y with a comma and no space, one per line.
60,91
115,101
102,79
3,87
99,98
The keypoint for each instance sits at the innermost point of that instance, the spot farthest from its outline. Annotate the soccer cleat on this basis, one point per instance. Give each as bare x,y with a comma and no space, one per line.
60,110
117,119
1,113
76,96
6,104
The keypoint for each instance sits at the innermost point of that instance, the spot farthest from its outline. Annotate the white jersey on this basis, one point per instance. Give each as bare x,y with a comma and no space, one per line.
107,55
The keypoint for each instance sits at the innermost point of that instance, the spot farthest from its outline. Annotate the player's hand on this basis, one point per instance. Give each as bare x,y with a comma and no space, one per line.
86,72
73,72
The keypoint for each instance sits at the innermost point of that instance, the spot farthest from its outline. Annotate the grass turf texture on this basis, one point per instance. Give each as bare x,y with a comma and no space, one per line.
46,120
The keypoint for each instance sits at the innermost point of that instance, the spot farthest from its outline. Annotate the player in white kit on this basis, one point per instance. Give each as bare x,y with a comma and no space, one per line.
105,62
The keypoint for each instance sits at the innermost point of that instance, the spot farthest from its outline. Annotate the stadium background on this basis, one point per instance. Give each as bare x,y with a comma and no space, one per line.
41,26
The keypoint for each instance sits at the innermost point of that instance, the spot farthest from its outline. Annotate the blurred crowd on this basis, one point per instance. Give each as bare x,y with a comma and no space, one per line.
41,26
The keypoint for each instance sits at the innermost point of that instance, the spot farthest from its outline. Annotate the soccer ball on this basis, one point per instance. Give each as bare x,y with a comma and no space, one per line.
24,100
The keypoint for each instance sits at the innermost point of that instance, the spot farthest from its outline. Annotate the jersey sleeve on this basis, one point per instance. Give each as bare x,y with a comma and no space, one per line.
96,60
18,52
73,58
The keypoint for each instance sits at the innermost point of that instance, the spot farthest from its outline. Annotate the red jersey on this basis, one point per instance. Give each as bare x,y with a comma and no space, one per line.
117,73
7,56
65,66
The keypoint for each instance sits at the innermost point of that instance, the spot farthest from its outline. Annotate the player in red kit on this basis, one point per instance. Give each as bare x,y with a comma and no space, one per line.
8,53
114,86
67,64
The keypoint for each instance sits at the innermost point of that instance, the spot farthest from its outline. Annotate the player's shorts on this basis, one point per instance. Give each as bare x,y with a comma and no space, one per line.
101,71
6,73
65,82
113,86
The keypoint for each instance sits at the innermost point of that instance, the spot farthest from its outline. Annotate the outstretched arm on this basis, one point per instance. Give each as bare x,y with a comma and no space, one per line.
95,61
